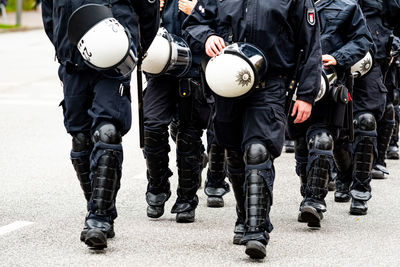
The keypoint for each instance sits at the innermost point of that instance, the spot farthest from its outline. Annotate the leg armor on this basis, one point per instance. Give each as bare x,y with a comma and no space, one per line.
320,163
188,162
82,146
364,149
259,182
393,149
385,130
235,171
343,159
156,150
106,162
301,155
216,186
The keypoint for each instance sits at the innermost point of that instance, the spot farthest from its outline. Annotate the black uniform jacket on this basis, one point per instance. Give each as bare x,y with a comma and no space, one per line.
56,15
279,27
344,32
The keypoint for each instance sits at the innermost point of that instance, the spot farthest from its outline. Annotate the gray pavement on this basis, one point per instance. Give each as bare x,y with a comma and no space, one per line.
38,185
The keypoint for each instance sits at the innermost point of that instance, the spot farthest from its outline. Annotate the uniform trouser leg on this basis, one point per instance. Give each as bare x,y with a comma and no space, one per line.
235,171
159,104
188,142
215,187
301,156
385,131
343,157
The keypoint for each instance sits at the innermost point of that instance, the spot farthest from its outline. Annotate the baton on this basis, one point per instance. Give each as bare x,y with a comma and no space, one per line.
140,89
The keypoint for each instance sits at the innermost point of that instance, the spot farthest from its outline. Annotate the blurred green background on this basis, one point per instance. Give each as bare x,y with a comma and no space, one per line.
26,5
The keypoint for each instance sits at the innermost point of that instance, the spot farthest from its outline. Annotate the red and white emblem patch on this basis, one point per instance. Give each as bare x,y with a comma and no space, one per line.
311,16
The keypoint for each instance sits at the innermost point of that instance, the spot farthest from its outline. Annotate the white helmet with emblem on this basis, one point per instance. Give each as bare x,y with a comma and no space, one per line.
237,70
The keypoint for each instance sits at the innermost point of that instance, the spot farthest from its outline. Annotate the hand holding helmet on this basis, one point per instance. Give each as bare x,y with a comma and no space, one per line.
186,6
214,45
328,60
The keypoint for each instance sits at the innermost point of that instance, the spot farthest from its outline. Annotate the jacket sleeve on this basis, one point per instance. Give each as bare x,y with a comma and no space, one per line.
148,12
47,16
308,36
201,24
359,39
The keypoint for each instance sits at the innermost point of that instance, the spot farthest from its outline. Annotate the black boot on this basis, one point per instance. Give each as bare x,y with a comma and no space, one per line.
188,162
156,150
216,186
235,172
363,159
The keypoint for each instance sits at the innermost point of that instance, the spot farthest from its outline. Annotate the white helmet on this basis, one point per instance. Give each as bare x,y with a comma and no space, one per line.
328,78
167,54
103,42
236,71
363,66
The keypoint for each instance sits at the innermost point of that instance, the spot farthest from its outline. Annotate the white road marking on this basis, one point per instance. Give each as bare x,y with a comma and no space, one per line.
13,226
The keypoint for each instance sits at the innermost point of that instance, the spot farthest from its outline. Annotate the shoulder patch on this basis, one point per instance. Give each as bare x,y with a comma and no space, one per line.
311,16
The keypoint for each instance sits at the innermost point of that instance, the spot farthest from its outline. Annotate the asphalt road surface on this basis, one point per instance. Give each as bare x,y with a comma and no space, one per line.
42,208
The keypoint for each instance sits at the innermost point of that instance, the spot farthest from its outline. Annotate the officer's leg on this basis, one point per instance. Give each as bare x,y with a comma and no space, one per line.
343,159
105,164
259,174
235,172
159,108
393,149
188,158
215,187
301,155
385,130
364,149
173,129
320,163
82,146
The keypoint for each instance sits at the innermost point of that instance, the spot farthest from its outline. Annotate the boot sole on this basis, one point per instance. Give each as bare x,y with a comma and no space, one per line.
184,219
358,212
255,249
378,175
215,202
96,239
392,156
342,199
311,216
155,215
110,234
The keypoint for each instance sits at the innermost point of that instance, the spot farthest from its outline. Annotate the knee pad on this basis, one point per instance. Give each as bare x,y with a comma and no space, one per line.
300,147
389,113
234,158
365,122
107,133
256,154
81,142
321,141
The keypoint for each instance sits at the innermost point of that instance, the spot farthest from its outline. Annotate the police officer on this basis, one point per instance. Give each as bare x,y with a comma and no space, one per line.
345,40
369,107
393,149
167,97
97,109
252,128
